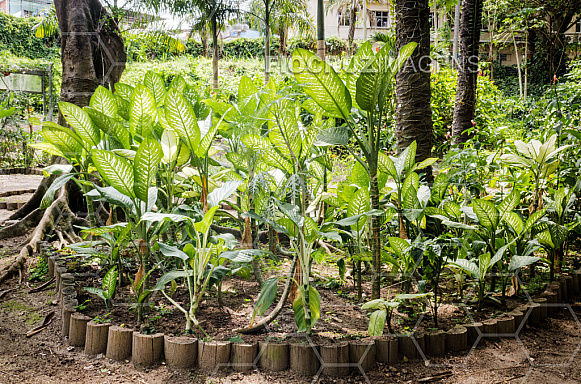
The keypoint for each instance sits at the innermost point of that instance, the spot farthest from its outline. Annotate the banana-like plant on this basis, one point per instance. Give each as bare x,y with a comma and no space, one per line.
540,159
369,88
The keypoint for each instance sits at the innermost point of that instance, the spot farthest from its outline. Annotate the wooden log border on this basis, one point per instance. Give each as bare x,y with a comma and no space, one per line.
334,360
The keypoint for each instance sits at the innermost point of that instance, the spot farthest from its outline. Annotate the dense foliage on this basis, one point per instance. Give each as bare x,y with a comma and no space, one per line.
17,37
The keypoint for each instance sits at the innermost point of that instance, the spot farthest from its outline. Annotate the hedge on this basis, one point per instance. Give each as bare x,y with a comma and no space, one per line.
17,37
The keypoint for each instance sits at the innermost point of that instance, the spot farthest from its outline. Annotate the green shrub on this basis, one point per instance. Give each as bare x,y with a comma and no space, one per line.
17,37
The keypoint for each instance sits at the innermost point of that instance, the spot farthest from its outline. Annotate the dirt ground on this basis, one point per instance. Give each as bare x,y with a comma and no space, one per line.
545,354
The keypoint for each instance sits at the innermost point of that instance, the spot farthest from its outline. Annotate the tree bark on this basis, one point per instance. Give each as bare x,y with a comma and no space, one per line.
321,29
92,49
465,104
92,54
413,117
351,33
214,28
267,41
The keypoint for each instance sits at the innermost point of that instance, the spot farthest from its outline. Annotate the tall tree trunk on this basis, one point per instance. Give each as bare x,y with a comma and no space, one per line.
465,104
321,29
216,52
413,116
266,41
92,51
351,33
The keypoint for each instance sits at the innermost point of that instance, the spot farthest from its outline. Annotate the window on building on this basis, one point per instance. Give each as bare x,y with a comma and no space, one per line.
382,19
503,57
578,25
344,20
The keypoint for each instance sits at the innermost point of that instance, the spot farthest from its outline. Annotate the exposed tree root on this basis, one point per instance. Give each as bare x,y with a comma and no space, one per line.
58,208
260,325
23,226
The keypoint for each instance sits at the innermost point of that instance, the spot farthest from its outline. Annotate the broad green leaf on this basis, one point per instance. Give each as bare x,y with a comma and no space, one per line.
410,158
486,213
180,116
386,165
255,142
109,282
400,246
156,85
169,277
47,147
332,136
363,55
453,210
204,225
110,127
515,222
48,197
7,112
206,142
517,262
112,196
411,296
322,83
509,203
178,84
517,160
266,297
57,169
81,123
374,304
242,255
314,304
222,193
142,111
171,251
559,234
155,217
124,90
147,158
104,102
359,176
64,141
246,89
424,164
292,212
358,206
468,266
533,218
96,291
170,146
299,312
116,171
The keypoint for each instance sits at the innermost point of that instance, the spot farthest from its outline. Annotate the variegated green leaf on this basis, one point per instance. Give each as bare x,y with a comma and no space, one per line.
147,158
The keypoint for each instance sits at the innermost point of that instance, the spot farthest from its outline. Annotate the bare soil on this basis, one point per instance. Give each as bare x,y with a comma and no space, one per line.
545,354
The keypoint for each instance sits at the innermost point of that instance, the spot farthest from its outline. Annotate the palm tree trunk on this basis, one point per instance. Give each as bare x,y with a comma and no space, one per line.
266,41
413,116
351,33
320,29
465,104
216,51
